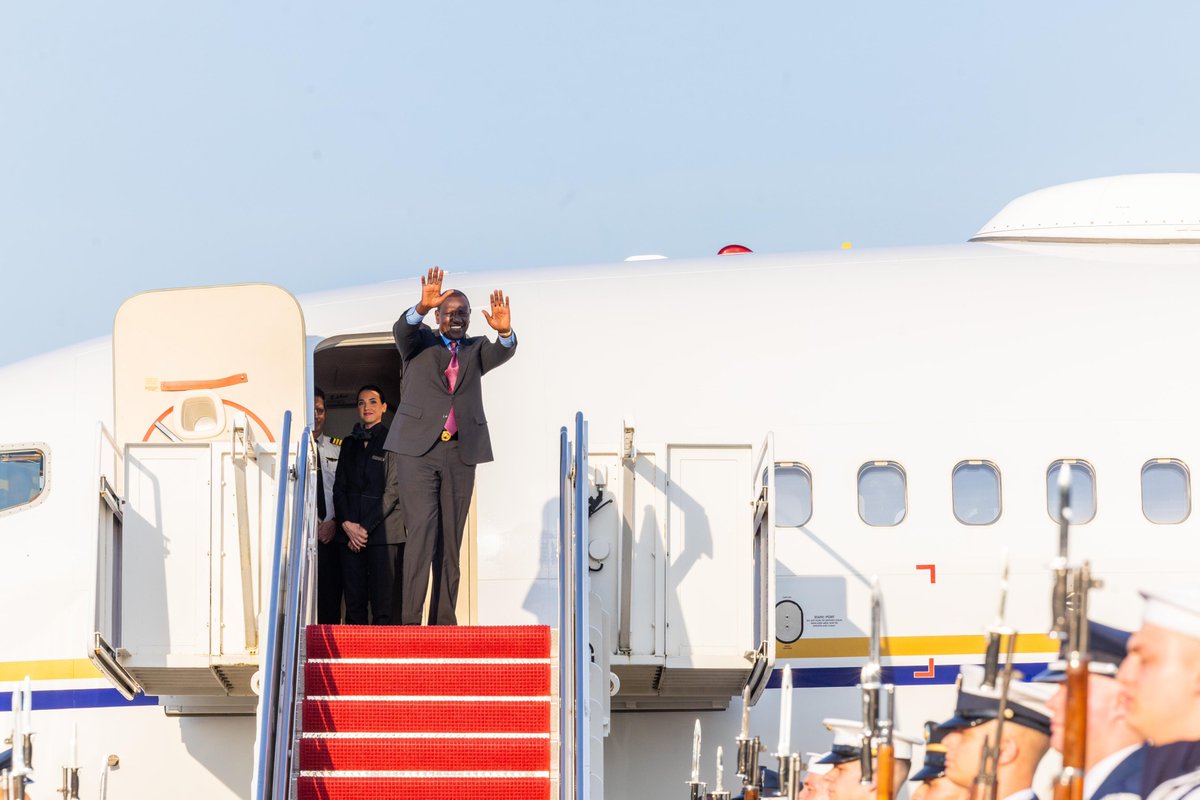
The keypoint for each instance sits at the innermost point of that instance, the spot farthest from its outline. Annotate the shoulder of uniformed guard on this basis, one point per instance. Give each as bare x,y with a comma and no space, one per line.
336,441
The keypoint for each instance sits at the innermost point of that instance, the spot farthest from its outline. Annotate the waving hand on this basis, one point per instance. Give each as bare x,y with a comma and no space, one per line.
432,295
500,319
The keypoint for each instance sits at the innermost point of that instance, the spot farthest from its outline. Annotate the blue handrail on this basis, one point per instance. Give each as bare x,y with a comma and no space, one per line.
582,621
574,653
288,612
297,592
269,671
565,641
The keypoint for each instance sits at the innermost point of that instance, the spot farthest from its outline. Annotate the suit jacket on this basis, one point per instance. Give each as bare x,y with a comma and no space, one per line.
392,498
358,490
425,396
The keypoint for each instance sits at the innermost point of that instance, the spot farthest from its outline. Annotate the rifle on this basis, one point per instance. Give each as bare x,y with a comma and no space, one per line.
991,659
1069,611
985,786
748,750
696,787
877,728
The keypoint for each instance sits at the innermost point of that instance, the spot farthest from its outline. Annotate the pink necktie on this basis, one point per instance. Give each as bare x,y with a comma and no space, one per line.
452,378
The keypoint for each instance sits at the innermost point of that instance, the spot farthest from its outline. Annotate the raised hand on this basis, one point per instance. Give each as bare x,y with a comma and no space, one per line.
432,295
500,319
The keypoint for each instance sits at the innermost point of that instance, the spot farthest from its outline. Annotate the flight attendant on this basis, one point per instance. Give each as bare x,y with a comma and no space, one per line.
371,538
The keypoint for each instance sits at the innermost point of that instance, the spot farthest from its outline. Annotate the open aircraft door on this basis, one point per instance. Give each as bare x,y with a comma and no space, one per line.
201,380
683,552
764,568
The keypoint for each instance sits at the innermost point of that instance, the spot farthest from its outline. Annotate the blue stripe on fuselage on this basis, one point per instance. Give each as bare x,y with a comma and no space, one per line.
826,677
58,699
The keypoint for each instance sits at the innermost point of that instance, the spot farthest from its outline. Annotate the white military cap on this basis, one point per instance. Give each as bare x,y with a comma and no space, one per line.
815,765
847,742
1176,610
1033,696
978,704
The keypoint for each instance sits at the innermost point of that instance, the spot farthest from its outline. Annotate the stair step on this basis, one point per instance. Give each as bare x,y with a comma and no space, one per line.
383,715
412,641
346,788
432,754
433,680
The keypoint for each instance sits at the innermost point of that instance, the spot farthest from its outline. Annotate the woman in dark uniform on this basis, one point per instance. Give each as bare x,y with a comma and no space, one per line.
373,535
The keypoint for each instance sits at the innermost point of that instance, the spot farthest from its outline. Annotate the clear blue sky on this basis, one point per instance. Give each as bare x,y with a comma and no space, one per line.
325,144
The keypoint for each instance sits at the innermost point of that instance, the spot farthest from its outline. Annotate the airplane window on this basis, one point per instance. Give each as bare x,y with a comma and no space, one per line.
1083,491
976,490
881,493
22,477
793,495
1166,491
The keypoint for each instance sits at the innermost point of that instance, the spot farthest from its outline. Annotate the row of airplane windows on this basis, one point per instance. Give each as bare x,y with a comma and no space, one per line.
975,488
882,490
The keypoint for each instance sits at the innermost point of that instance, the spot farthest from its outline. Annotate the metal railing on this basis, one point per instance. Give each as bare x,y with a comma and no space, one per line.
289,611
574,651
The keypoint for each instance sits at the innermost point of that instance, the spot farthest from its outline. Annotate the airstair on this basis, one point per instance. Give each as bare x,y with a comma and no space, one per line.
411,712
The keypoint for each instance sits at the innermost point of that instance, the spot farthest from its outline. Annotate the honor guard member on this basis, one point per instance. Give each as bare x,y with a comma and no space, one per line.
844,779
329,562
1114,753
1160,686
1024,741
932,774
814,787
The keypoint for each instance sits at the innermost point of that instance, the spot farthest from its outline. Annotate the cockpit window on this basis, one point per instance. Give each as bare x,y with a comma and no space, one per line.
1083,491
976,489
882,493
793,495
22,477
1166,491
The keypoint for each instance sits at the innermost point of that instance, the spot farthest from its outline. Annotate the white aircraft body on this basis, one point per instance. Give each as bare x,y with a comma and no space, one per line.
917,399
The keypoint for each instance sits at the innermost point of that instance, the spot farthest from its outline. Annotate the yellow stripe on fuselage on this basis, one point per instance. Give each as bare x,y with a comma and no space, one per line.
60,669
924,646
843,647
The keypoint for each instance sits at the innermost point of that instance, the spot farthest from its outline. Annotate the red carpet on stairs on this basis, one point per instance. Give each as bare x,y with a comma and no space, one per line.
416,712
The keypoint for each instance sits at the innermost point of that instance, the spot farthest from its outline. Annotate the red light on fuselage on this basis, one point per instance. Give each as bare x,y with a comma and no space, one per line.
733,250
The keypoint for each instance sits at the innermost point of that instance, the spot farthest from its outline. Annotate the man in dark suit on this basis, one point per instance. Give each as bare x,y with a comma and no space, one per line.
439,434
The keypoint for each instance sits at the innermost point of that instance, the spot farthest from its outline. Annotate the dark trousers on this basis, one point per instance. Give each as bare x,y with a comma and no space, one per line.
437,498
368,578
329,582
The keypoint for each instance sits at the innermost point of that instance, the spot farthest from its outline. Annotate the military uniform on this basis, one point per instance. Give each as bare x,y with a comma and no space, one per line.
1118,773
329,563
1178,612
847,747
978,704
